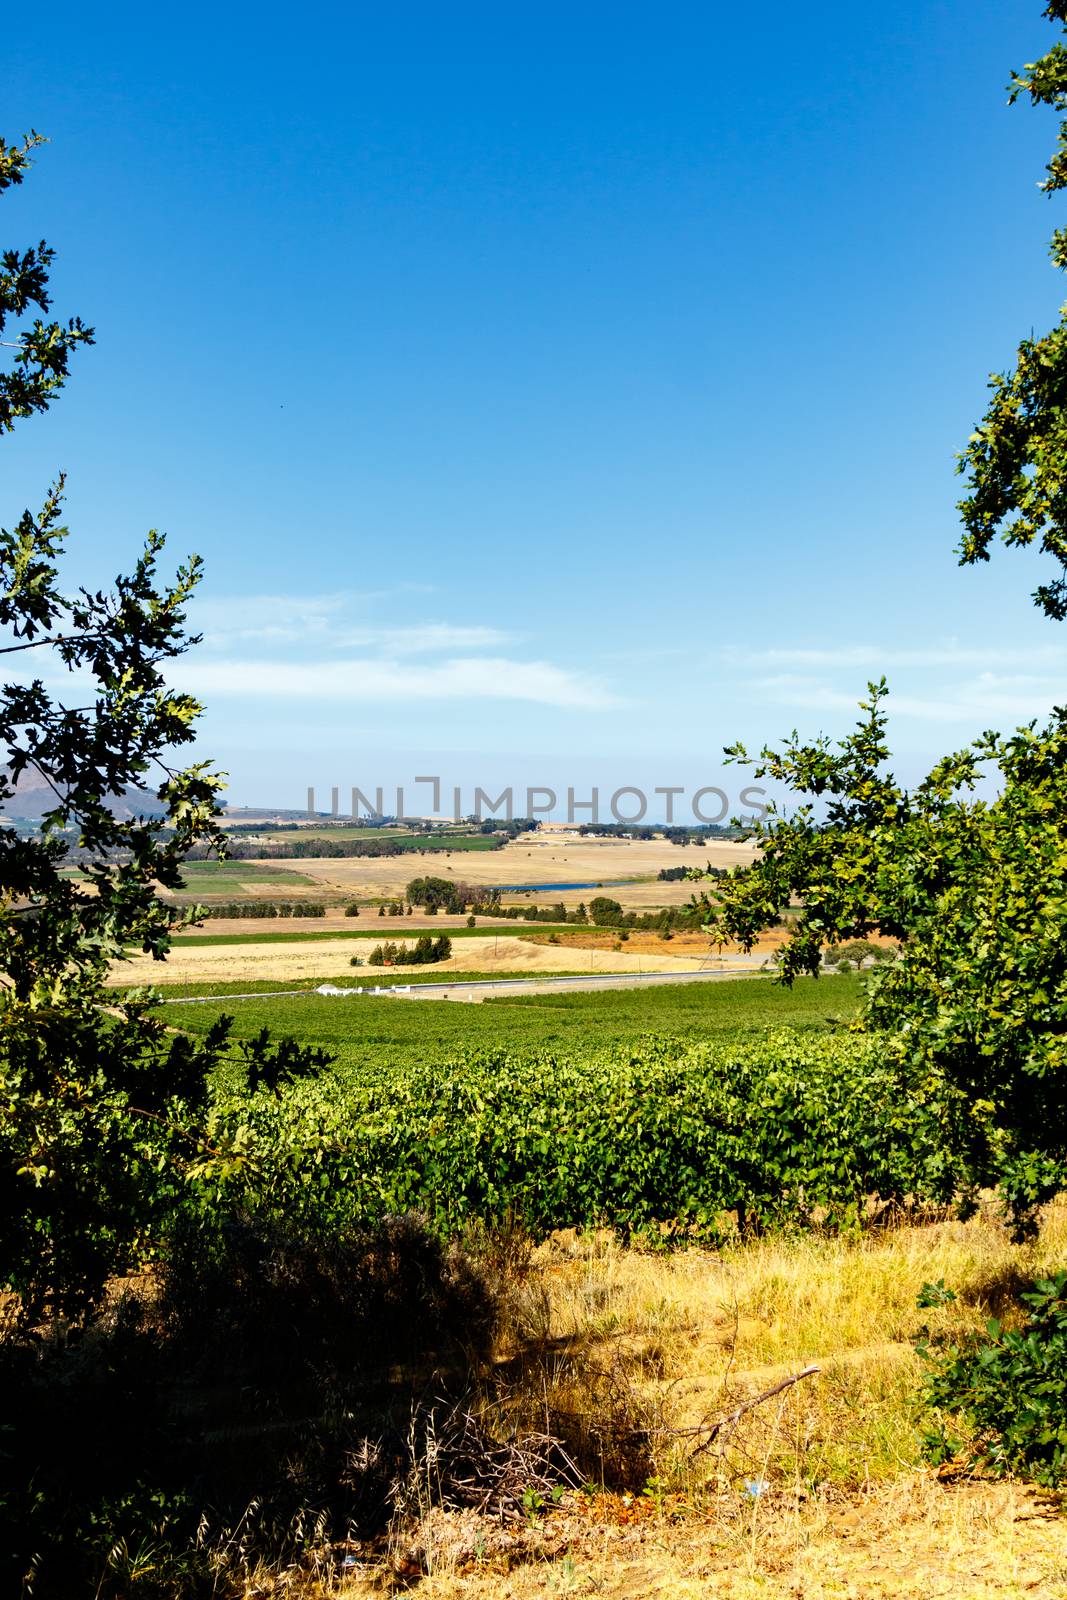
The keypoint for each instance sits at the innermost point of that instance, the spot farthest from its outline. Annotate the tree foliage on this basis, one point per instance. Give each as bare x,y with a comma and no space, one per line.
424,951
43,349
1013,461
438,894
1006,1388
975,891
88,713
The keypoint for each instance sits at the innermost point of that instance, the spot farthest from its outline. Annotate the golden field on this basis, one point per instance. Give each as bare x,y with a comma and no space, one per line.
328,958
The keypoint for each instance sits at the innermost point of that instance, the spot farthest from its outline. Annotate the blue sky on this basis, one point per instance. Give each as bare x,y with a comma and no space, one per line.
555,393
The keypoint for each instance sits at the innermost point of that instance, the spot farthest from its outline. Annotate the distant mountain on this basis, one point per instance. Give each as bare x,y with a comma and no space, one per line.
266,814
33,797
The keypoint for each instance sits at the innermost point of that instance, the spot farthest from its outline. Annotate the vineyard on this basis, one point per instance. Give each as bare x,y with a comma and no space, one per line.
684,1140
689,1109
662,1109
376,1035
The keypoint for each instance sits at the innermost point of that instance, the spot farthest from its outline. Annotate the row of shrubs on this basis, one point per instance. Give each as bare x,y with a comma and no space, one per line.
267,908
787,1130
300,848
298,908
602,912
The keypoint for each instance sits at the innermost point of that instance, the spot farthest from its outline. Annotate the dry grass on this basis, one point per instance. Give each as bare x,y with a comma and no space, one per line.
637,1356
693,944
692,1332
326,958
915,1540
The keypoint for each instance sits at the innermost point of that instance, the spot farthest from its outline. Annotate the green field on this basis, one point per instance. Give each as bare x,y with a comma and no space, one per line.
224,876
404,841
394,928
398,1034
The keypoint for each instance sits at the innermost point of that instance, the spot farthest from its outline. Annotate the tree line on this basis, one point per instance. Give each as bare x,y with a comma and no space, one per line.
266,908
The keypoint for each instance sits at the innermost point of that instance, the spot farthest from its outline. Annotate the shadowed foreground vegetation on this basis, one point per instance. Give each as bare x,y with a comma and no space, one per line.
258,1416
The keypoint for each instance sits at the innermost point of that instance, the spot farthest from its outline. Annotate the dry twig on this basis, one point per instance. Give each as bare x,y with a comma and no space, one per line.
727,1423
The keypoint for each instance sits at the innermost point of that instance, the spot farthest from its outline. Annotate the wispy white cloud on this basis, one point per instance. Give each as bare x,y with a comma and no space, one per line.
428,638
315,649
327,621
276,617
987,700
355,680
876,659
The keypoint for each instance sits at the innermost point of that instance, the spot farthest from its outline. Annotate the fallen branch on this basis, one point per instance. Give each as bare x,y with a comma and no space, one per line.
732,1418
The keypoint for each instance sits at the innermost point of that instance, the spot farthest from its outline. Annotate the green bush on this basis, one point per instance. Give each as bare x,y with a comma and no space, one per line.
438,894
1008,1389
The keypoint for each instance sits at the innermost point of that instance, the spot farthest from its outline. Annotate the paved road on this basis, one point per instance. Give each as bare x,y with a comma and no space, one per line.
483,988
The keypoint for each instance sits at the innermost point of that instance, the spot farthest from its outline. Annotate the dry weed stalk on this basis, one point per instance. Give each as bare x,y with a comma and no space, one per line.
455,1464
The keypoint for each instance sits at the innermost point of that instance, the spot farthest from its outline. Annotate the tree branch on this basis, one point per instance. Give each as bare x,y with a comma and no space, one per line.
732,1418
35,644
